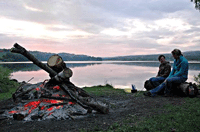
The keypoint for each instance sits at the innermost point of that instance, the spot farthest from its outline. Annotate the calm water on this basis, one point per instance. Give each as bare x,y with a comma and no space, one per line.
119,74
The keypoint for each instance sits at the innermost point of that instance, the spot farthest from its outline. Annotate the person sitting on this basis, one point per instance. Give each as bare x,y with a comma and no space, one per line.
179,74
163,73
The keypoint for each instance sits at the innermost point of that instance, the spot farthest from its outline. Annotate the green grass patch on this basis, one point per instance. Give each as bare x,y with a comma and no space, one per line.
104,90
7,87
7,95
183,118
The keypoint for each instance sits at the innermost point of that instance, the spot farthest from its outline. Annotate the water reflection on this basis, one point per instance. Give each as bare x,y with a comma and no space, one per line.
192,65
119,74
32,67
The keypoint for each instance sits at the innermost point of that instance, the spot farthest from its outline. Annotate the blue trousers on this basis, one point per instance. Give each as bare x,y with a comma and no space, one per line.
167,85
156,81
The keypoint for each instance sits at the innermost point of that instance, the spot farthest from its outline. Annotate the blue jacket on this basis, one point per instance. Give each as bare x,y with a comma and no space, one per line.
180,68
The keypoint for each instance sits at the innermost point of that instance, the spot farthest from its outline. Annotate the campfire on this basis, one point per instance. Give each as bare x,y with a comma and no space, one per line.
39,102
56,98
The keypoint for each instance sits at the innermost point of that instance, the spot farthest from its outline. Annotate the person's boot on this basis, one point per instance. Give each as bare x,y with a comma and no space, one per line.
147,94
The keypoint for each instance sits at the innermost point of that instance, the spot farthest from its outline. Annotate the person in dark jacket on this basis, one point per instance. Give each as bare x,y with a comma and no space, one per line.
179,74
163,72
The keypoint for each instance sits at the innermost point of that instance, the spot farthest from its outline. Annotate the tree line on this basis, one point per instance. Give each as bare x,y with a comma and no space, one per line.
190,55
7,56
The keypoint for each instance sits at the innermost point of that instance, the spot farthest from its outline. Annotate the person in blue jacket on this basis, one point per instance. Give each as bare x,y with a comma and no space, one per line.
179,74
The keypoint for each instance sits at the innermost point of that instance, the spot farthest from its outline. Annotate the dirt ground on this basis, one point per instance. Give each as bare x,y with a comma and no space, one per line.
121,108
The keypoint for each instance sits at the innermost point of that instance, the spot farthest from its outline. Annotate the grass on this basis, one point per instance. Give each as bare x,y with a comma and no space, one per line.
104,90
176,118
183,118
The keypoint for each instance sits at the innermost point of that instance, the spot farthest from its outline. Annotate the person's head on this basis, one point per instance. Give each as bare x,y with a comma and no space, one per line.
176,53
161,58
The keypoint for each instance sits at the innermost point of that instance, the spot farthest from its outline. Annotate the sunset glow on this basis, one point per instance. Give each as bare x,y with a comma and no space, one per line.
38,31
95,29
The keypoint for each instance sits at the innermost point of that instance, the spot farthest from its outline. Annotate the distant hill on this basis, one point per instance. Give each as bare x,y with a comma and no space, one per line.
190,55
7,56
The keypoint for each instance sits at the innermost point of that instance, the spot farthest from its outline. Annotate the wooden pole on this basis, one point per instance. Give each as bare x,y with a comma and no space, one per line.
19,49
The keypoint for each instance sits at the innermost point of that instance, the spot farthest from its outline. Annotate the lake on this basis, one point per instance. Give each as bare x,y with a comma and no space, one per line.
120,74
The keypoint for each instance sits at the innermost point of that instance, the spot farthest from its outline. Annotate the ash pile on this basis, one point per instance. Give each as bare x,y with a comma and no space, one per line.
55,98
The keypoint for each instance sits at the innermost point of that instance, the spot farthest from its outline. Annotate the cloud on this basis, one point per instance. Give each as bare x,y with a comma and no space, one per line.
32,9
100,28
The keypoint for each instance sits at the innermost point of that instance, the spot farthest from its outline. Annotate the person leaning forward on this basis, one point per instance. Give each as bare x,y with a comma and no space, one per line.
179,74
163,72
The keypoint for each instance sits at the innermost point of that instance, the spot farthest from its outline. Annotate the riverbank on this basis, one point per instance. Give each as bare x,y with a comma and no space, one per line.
128,112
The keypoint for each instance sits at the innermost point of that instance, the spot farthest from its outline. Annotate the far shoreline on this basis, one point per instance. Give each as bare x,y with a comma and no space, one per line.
103,62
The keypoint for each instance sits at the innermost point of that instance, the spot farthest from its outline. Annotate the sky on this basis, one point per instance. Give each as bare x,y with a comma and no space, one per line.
100,28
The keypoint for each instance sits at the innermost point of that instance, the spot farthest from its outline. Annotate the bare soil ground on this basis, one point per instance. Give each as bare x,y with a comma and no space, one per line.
121,107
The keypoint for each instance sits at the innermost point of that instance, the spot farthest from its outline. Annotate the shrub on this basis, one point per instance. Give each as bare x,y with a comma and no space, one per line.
5,83
197,80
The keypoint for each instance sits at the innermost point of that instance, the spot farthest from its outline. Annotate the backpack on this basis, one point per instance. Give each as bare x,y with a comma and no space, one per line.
189,89
148,85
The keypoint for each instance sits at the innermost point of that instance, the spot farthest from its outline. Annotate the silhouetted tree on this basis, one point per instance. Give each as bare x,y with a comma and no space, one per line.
197,4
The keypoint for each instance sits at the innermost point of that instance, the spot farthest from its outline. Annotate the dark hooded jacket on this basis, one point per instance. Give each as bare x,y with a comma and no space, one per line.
164,69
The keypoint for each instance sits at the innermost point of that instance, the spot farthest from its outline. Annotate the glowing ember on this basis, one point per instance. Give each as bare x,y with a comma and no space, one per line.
37,89
58,107
56,95
50,109
71,103
51,101
42,108
57,87
13,112
33,104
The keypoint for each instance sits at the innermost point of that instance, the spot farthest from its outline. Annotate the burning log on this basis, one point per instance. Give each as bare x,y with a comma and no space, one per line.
62,78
